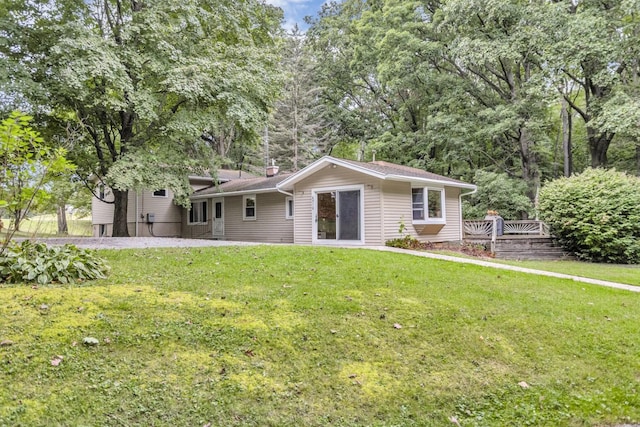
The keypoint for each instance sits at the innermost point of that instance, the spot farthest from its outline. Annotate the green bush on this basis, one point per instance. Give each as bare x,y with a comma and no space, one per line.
595,215
30,262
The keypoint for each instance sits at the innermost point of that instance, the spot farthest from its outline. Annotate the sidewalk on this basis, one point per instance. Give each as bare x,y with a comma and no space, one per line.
510,267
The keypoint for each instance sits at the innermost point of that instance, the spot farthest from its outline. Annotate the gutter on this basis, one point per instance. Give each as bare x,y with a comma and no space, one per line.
233,193
475,190
284,192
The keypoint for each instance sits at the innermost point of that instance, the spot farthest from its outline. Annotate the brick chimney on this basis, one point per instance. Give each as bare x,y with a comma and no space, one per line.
273,169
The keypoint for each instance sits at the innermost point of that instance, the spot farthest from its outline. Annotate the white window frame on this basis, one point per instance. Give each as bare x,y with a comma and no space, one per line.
203,221
314,227
425,206
288,203
244,207
166,193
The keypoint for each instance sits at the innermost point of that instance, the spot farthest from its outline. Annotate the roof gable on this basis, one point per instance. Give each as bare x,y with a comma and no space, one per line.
379,169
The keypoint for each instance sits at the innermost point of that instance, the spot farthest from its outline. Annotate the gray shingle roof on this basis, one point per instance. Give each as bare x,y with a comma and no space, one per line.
386,168
245,184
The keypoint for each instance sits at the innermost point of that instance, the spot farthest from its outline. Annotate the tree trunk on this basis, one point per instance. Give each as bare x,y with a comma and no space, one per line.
566,138
63,228
530,171
598,146
121,199
17,220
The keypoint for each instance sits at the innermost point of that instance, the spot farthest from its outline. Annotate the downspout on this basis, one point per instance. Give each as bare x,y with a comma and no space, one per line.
475,190
294,208
137,213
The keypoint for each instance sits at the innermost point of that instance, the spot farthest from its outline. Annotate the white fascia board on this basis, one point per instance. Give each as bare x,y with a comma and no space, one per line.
428,181
234,193
319,164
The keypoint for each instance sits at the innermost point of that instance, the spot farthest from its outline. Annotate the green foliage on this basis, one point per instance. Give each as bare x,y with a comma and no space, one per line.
30,262
407,242
148,84
497,192
28,167
595,215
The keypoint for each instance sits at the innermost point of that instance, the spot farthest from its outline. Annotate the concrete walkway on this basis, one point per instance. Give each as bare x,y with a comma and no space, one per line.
511,268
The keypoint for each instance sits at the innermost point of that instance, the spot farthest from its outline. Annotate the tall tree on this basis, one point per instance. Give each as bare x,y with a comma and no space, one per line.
297,123
595,45
148,81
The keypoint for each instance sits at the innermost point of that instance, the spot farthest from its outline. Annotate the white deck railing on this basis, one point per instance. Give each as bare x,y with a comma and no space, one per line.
489,228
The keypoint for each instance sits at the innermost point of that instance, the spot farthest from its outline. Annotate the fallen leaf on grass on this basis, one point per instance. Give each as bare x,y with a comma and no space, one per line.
454,420
523,384
397,326
249,353
56,360
333,331
6,343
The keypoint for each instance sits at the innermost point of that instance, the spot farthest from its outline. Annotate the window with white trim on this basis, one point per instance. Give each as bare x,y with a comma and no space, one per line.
160,193
428,205
249,207
289,208
198,212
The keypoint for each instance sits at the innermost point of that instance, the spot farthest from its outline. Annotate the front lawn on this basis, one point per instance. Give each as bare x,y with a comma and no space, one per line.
621,273
272,335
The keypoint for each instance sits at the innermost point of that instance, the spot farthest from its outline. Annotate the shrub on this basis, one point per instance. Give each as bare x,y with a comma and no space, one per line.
595,215
408,242
37,263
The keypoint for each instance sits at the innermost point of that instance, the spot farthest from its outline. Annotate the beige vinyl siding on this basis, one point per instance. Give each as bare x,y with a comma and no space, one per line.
270,225
198,231
397,208
167,215
329,177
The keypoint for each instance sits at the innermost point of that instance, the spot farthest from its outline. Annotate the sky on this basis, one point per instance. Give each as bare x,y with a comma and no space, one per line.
296,10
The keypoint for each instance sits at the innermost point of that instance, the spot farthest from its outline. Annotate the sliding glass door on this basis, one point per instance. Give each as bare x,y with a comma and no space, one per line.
338,215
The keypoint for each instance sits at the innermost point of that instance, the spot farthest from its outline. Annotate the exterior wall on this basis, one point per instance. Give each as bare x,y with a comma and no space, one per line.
337,177
270,225
198,231
397,208
168,217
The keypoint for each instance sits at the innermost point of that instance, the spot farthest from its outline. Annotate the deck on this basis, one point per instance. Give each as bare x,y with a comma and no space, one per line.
519,240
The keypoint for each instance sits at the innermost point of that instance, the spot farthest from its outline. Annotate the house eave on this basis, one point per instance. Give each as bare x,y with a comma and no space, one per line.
288,183
427,181
233,193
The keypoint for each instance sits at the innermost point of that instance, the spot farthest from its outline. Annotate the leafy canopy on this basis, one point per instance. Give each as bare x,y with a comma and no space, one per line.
28,167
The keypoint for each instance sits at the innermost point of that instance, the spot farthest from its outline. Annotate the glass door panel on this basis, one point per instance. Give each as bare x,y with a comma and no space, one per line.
326,215
349,215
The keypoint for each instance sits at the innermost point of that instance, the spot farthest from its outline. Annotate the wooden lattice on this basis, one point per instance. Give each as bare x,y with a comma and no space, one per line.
525,227
478,228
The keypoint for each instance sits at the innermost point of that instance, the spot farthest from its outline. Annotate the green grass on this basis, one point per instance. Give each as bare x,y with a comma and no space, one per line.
296,336
47,226
629,274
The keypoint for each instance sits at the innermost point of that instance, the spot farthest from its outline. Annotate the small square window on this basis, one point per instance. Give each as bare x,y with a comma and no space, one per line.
249,207
160,193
